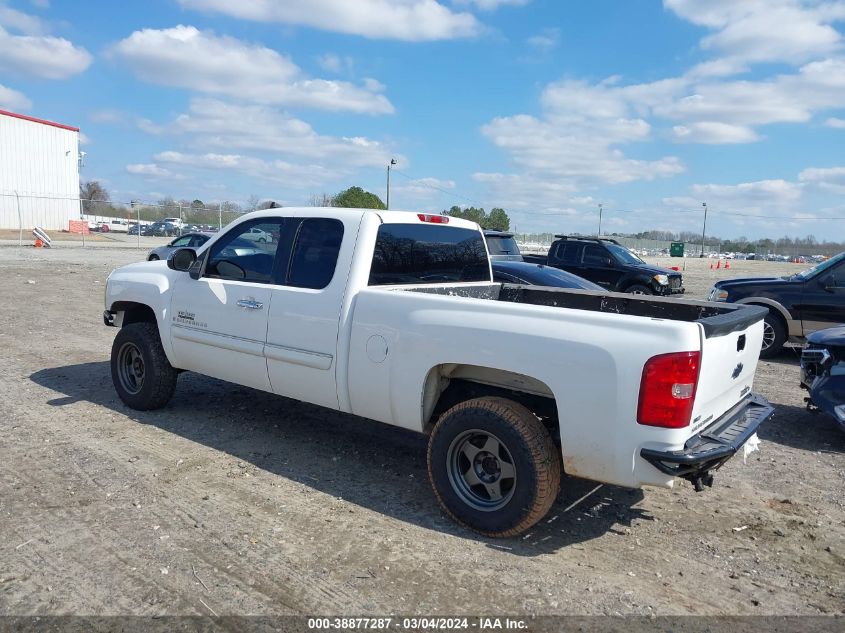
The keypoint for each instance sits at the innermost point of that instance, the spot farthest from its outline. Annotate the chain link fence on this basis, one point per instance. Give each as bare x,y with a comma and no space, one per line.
22,212
781,250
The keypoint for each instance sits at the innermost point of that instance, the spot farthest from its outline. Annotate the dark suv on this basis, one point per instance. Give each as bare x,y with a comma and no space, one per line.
609,264
798,304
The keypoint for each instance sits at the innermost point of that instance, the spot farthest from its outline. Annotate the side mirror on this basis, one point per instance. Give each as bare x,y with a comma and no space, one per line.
181,259
828,283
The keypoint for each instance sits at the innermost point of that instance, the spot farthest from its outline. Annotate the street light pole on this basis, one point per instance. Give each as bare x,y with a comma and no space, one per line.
387,201
704,229
600,209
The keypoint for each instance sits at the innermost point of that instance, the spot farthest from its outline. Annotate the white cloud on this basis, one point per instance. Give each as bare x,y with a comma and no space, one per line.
13,100
185,57
422,188
25,49
41,4
258,144
279,172
149,169
578,145
762,193
334,63
546,40
712,132
21,22
765,30
211,123
831,179
491,5
410,20
109,116
587,133
834,122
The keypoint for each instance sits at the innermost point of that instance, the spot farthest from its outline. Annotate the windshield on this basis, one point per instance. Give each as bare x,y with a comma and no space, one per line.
819,268
500,245
623,254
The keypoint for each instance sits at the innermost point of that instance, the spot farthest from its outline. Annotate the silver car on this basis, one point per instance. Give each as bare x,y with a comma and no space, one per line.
189,240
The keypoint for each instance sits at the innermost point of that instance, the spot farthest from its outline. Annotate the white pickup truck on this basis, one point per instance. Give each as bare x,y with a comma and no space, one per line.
394,316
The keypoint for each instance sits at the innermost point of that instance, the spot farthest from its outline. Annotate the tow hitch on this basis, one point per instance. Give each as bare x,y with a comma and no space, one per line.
700,480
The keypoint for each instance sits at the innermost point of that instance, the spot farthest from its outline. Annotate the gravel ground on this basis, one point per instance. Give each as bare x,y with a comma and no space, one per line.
240,502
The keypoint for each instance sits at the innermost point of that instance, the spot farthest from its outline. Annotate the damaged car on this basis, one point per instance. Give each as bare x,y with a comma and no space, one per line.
823,372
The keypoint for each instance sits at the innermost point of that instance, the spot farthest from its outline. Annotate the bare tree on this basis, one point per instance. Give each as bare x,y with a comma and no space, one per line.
252,202
321,200
91,193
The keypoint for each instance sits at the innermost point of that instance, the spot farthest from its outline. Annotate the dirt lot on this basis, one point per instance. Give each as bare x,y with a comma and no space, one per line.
237,502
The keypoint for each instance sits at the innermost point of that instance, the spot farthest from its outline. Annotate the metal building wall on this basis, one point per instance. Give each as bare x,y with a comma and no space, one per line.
39,162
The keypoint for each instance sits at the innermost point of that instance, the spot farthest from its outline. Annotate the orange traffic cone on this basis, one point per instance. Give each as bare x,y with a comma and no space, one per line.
711,265
718,264
38,243
727,264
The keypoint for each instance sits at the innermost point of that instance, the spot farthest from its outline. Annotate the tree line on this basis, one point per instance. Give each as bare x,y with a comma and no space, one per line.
97,201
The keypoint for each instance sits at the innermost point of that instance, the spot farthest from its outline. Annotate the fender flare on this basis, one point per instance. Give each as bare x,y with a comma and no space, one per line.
793,326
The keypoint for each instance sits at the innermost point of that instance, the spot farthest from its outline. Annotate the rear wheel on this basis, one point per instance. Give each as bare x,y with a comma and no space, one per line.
140,371
154,258
493,466
774,336
639,289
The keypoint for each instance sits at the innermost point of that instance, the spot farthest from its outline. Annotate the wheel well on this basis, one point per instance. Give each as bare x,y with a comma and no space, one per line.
774,312
134,312
448,385
634,282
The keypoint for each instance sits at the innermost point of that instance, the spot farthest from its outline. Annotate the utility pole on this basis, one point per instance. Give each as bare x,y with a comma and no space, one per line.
704,229
387,201
600,210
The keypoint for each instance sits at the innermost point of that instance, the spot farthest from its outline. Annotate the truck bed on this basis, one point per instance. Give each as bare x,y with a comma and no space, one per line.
716,318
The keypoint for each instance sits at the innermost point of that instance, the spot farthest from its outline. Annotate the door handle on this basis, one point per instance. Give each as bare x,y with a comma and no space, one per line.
251,304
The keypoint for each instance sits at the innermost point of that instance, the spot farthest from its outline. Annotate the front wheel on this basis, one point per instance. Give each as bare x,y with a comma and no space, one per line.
154,258
639,289
493,466
774,336
140,371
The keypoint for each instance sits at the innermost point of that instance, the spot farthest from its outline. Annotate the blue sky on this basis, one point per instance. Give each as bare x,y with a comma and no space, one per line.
547,108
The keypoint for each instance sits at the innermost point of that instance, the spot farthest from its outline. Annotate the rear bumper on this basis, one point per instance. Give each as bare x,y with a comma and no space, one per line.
715,445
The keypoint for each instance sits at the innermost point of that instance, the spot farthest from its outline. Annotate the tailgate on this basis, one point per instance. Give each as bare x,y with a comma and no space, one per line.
730,348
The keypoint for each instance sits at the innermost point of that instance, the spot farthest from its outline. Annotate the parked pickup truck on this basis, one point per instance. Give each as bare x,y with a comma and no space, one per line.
606,262
394,316
799,304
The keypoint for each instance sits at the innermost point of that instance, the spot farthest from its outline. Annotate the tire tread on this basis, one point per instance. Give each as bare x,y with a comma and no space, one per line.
543,452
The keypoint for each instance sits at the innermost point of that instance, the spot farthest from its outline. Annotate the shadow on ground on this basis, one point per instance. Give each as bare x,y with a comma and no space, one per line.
806,430
373,465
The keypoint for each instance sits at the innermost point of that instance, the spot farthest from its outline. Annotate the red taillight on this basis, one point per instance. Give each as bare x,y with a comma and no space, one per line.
667,390
434,219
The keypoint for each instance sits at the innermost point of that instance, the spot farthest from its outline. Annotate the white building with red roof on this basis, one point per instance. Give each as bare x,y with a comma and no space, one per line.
39,173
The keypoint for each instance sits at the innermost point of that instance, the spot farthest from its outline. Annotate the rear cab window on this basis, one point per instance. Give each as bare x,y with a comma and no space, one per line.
428,254
502,245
